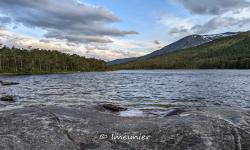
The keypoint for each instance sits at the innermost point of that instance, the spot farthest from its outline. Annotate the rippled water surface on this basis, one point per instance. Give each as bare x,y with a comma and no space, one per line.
133,89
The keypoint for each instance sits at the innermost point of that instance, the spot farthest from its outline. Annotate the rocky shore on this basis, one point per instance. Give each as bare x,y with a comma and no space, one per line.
54,127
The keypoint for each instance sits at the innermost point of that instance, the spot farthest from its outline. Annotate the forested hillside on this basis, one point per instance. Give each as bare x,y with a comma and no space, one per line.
13,60
186,42
226,53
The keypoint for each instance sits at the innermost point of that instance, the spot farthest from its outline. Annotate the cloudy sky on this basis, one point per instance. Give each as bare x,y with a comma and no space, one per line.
111,29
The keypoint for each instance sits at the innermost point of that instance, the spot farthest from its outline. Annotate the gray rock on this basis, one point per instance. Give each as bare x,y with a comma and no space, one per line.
3,83
8,98
53,127
174,111
113,108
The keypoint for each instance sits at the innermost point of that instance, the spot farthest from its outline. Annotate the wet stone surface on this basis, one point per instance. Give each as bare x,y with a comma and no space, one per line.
54,127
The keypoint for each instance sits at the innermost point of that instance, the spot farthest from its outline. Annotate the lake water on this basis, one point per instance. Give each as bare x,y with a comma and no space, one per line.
137,90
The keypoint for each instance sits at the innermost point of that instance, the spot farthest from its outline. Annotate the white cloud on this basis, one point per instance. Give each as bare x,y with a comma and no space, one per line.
112,54
177,26
173,21
96,50
210,20
136,45
63,19
70,26
237,20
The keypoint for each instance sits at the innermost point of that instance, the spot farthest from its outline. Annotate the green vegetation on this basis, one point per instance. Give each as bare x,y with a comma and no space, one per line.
226,53
17,61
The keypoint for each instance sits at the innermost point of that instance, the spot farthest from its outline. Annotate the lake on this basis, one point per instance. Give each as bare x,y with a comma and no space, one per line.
139,90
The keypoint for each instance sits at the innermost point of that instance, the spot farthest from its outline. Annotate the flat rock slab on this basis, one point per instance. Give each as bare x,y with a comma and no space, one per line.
54,127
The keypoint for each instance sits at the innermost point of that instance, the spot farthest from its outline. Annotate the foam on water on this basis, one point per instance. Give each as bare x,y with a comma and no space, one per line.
131,113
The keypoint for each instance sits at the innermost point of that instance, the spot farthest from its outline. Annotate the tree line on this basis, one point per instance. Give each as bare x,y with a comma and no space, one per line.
14,60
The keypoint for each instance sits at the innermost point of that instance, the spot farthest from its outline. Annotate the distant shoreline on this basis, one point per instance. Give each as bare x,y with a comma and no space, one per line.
44,73
19,74
51,73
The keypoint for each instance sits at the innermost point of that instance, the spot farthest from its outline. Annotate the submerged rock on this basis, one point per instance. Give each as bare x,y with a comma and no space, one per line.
113,108
174,111
8,98
3,83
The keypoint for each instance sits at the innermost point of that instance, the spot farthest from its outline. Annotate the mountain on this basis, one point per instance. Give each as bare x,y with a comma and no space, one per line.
189,41
121,61
222,52
186,42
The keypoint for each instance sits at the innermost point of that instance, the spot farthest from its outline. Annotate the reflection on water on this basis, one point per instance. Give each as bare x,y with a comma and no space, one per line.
134,89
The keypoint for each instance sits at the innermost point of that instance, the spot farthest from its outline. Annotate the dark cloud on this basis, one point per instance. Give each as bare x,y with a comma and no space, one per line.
5,20
213,6
216,23
179,30
223,15
45,41
64,19
157,42
220,22
77,37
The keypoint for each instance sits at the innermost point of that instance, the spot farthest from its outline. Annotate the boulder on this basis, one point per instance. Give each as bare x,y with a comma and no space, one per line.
113,108
8,98
3,83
